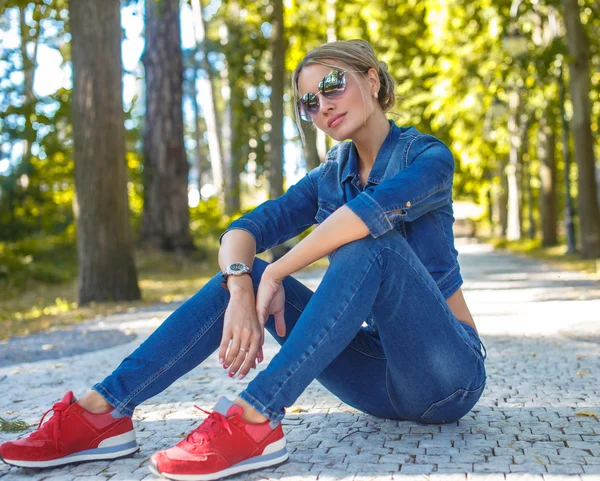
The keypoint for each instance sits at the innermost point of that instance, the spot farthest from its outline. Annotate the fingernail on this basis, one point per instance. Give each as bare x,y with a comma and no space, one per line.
225,366
221,360
241,376
231,374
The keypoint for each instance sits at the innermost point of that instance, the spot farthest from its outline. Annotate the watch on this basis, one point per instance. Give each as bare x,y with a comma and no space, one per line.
235,269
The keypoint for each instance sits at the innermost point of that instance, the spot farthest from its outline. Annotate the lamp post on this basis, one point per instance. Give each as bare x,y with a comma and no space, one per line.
569,224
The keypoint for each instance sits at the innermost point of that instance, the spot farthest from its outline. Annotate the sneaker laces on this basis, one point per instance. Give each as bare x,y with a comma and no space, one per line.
53,422
213,424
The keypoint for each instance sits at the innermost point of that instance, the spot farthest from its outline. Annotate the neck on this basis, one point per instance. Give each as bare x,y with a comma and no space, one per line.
369,139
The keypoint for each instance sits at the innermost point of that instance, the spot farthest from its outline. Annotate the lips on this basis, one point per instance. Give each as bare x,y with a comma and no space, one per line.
333,119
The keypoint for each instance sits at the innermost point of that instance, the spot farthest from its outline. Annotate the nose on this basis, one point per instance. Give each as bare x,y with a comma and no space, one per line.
325,104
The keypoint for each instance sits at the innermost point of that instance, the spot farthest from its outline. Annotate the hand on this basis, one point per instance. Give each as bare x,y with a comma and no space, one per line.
270,299
242,328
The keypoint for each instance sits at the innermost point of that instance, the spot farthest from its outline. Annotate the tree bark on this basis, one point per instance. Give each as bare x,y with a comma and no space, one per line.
310,152
104,236
579,86
210,112
277,41
166,214
547,155
513,231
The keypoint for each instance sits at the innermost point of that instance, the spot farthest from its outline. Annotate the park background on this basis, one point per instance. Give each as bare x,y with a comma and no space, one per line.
132,133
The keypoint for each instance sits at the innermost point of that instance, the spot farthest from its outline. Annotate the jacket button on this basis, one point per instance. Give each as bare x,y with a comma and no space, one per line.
408,204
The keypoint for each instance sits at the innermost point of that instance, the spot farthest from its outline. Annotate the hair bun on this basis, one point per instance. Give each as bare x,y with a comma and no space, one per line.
383,66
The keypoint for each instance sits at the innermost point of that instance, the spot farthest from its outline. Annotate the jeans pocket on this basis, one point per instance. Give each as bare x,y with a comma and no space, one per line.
454,407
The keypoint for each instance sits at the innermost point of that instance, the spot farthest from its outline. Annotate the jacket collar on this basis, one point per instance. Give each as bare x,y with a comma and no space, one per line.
376,176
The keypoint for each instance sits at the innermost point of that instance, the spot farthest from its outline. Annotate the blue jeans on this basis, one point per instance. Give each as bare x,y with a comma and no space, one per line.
420,364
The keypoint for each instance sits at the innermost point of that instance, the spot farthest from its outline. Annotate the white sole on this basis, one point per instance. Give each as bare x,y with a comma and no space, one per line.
222,474
110,452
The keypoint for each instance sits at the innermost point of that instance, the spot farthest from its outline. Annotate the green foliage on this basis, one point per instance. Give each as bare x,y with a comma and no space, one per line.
207,220
16,426
50,259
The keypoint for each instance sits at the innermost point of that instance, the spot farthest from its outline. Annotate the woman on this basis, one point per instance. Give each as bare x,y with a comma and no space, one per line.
383,202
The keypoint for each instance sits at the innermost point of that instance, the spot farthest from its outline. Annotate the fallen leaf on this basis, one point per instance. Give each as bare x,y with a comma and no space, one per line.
582,372
590,414
296,409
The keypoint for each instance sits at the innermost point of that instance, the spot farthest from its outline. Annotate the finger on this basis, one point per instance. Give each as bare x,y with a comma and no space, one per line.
280,323
261,313
260,355
242,340
233,348
251,356
224,344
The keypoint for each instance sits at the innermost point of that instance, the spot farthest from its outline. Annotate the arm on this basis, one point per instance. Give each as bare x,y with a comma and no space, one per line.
339,228
275,221
237,246
424,185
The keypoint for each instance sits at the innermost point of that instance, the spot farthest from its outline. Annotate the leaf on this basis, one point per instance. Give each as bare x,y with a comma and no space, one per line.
590,414
582,372
296,409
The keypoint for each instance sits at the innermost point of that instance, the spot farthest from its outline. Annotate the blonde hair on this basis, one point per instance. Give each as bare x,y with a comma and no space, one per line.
357,55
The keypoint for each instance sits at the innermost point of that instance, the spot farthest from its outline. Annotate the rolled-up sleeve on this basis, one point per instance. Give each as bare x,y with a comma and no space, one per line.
275,221
424,185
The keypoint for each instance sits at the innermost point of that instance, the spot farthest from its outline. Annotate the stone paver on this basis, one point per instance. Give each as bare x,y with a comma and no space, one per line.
537,419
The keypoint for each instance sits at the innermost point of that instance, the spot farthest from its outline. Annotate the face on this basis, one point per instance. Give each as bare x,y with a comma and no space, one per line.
342,117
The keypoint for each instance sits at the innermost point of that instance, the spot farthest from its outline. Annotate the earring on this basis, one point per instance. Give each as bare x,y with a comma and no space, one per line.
375,94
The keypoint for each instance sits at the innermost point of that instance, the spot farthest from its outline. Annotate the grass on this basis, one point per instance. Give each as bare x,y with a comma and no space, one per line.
32,305
556,255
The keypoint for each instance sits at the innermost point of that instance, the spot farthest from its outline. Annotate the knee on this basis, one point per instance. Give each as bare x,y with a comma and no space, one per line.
354,249
357,248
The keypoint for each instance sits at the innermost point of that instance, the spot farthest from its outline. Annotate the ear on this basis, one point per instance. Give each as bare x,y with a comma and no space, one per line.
373,78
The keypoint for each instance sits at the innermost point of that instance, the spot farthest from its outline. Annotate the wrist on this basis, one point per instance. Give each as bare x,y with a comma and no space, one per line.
272,271
239,284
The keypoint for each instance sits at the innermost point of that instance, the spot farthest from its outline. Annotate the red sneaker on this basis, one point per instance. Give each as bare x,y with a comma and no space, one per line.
71,435
224,444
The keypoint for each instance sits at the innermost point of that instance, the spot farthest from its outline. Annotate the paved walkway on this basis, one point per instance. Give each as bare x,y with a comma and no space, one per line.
539,416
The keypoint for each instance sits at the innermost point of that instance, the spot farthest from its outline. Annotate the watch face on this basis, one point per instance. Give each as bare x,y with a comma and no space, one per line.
237,267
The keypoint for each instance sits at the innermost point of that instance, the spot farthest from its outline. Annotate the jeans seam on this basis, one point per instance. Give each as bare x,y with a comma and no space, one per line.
111,399
387,388
165,368
264,408
445,307
351,347
326,334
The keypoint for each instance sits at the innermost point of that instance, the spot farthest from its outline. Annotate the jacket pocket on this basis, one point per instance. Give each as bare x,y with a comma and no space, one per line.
454,407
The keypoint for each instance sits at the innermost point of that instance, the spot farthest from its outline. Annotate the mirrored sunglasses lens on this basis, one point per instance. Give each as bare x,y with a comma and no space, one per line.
309,105
334,84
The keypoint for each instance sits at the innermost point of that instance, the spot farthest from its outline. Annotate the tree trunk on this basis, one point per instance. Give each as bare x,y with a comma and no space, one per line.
310,152
210,110
231,204
547,155
104,237
503,201
513,231
166,213
579,86
277,42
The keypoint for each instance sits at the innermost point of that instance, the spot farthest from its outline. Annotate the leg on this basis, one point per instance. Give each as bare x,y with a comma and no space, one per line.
435,370
430,356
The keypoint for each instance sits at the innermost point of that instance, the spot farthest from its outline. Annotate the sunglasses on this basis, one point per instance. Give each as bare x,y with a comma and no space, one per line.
332,87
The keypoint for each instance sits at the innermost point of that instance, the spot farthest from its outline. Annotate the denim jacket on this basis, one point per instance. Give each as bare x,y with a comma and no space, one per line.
409,189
